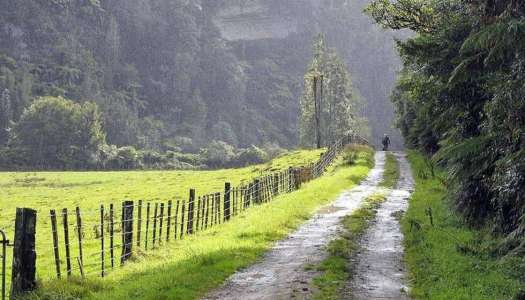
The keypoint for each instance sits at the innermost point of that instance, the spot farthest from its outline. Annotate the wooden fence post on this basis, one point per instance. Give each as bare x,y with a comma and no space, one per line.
227,200
111,235
191,211
66,241
213,209
296,179
161,217
53,215
203,205
276,184
169,221
148,208
155,223
127,230
102,256
23,272
217,208
234,201
207,211
182,219
257,197
79,234
197,221
176,225
139,223
290,179
249,194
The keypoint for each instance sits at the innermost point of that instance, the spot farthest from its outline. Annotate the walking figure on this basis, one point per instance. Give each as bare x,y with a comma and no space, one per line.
386,142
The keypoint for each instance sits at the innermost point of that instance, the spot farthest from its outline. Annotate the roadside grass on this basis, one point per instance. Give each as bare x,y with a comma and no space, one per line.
336,269
391,174
43,191
188,268
450,260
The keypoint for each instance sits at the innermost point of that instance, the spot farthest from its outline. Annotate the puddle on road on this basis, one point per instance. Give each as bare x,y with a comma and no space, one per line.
329,209
283,271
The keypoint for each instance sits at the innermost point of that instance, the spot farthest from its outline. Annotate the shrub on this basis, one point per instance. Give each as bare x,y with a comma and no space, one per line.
273,150
188,158
252,155
127,158
218,154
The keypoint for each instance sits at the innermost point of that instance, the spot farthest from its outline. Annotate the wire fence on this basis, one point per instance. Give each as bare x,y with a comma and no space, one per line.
92,242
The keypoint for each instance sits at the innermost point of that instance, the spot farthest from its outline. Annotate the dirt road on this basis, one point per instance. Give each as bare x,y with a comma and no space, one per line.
282,273
380,272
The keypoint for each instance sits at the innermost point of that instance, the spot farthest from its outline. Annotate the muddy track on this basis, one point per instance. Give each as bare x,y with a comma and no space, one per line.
380,272
282,273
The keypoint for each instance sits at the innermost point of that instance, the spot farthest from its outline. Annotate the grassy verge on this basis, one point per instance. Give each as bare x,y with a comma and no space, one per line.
187,269
336,269
391,174
449,260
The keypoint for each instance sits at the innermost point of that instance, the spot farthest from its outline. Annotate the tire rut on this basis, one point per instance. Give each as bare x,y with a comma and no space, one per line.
282,272
380,271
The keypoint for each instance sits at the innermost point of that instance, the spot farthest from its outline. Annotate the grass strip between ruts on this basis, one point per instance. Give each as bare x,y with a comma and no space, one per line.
336,269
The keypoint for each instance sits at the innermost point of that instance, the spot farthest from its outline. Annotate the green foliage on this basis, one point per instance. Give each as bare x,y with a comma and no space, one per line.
450,260
461,95
5,116
58,133
250,156
218,154
340,103
391,173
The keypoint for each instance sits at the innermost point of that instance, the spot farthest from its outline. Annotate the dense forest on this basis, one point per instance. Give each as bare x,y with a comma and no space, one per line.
180,75
460,98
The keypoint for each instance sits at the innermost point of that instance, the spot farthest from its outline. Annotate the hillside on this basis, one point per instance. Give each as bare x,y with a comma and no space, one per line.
187,72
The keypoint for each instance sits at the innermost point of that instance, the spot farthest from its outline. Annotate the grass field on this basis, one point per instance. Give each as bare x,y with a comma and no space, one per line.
450,260
188,268
43,191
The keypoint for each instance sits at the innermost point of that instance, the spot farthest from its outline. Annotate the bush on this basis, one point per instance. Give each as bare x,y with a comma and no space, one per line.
273,150
252,155
185,144
188,158
12,159
350,158
57,133
128,157
218,154
152,159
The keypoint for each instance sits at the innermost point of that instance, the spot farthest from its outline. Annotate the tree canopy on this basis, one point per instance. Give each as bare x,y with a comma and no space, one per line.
460,97
340,105
58,133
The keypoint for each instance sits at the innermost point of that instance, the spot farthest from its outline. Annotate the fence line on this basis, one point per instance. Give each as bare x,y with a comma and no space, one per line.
146,225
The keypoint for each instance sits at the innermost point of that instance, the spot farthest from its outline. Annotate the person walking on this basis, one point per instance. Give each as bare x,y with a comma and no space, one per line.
386,142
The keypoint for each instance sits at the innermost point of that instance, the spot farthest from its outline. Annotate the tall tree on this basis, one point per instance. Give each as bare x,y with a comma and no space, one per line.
6,116
57,133
329,93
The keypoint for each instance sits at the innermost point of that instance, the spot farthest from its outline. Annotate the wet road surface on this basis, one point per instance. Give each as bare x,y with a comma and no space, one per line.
282,272
380,272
